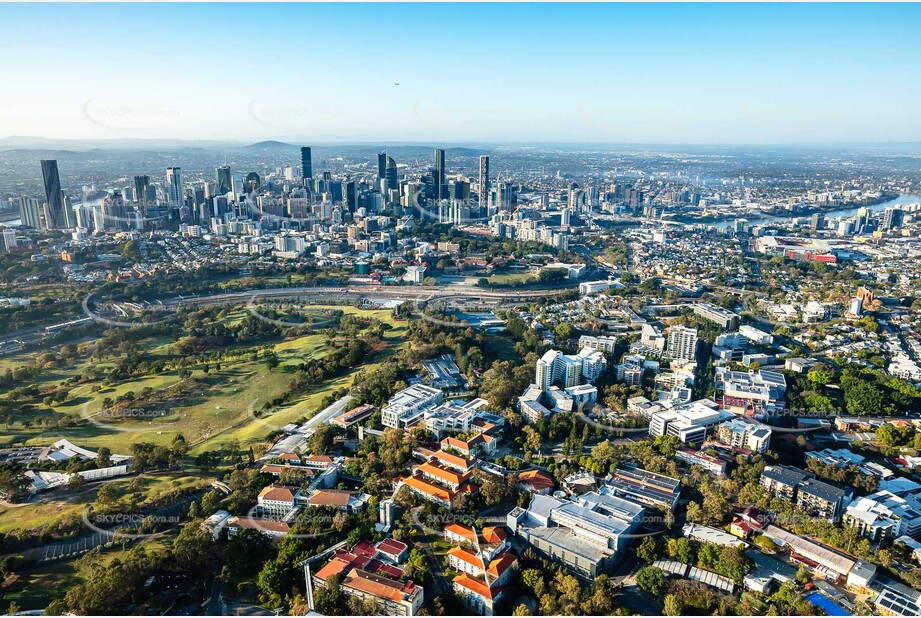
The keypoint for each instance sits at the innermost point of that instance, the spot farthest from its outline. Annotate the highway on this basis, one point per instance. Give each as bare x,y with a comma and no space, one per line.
408,293
337,294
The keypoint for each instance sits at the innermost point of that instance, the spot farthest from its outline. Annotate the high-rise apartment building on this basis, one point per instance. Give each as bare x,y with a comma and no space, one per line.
682,343
140,191
30,212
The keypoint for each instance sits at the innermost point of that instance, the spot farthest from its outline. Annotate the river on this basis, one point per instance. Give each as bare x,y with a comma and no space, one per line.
902,200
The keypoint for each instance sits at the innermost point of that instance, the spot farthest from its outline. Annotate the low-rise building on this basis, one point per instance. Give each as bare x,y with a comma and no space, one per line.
740,433
408,406
689,422
643,486
691,457
818,498
588,535
752,393
884,515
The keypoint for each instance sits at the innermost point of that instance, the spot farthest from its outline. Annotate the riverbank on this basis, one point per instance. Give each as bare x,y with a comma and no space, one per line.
847,209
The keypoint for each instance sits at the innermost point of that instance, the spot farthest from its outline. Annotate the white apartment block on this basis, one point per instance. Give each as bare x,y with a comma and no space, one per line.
742,434
689,423
682,343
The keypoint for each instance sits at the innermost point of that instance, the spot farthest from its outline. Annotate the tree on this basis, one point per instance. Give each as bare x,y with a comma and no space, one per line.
765,543
802,574
493,490
210,502
820,375
533,579
193,547
680,549
419,563
650,580
604,453
672,606
521,610
563,331
103,457
648,550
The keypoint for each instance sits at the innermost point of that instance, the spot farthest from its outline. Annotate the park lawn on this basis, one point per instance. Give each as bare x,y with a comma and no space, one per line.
222,400
505,278
39,515
256,431
220,408
503,347
32,516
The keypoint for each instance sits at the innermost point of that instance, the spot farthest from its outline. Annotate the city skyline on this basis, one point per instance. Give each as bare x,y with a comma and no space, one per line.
660,74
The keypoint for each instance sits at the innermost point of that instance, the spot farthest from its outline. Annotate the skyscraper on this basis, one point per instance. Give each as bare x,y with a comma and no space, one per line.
350,195
382,165
306,163
174,187
140,191
440,174
892,218
55,217
391,173
484,181
30,212
223,180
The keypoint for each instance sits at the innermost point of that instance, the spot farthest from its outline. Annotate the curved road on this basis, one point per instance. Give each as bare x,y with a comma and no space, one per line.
339,293
73,547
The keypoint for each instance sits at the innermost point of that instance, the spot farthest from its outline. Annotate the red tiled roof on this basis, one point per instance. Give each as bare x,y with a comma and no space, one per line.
329,497
336,566
277,494
493,534
392,547
462,531
469,557
501,564
474,585
454,460
429,489
448,476
375,585
538,479
262,525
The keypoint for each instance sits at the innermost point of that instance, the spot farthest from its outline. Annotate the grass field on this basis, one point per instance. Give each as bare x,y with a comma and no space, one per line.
33,516
216,409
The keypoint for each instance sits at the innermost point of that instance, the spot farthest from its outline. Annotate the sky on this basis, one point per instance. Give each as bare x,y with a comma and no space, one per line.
461,73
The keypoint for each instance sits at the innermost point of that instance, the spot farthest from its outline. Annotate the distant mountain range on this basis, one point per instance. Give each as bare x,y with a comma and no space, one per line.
32,143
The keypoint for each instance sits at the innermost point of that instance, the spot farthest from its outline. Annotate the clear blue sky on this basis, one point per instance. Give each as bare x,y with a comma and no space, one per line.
714,73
